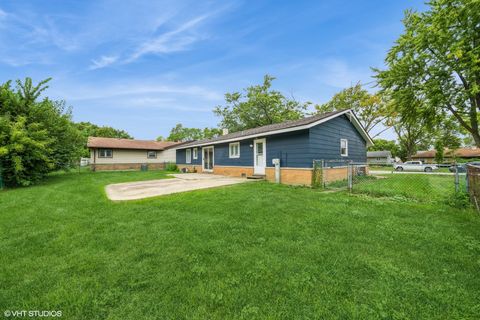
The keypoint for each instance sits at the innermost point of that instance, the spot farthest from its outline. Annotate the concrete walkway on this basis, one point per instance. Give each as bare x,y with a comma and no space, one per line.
180,183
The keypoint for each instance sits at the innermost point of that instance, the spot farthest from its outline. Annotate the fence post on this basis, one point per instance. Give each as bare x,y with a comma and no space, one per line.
322,164
467,184
456,179
350,176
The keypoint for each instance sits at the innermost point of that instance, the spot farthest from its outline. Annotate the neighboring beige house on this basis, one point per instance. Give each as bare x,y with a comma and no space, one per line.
380,157
124,154
449,156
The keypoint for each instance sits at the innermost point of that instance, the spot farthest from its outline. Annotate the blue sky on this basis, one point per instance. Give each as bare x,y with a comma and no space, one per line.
144,66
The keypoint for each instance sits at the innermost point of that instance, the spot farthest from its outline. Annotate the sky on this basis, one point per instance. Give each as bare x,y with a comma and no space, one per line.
144,66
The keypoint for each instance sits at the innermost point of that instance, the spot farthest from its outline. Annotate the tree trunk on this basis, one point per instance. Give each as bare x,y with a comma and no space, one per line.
476,138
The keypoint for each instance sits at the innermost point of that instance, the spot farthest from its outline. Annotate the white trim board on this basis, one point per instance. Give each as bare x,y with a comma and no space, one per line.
352,117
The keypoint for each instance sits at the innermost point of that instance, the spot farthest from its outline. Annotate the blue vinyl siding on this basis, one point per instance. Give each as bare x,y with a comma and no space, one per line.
291,148
181,157
246,154
325,141
296,149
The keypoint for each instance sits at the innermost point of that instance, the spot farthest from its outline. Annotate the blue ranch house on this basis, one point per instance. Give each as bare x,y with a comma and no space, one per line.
334,135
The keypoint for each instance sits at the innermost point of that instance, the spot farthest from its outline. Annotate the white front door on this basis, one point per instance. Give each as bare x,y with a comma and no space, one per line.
259,156
207,159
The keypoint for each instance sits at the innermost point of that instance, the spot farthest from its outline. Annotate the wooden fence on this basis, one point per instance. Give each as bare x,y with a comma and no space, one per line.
473,184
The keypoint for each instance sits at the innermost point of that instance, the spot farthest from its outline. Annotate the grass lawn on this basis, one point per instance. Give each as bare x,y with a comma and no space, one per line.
249,251
412,187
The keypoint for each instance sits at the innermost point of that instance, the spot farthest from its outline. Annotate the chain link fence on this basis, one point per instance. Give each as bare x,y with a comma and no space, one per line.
339,174
357,177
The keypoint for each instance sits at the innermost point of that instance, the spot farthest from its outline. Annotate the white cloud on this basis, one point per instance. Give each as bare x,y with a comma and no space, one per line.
338,74
139,89
172,41
3,14
103,62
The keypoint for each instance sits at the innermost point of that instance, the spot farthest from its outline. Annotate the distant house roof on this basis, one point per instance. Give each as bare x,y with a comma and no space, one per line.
379,154
116,143
461,153
287,126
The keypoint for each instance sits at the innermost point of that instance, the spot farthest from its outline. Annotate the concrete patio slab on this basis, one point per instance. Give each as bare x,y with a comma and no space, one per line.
180,183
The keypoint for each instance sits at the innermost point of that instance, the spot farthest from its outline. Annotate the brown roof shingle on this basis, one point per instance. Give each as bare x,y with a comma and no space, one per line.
116,143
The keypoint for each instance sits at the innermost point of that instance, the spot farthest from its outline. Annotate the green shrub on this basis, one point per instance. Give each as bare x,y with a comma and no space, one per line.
459,200
36,137
171,167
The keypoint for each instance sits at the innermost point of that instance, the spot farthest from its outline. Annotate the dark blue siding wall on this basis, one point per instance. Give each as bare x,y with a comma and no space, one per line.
291,148
295,149
181,158
246,154
325,141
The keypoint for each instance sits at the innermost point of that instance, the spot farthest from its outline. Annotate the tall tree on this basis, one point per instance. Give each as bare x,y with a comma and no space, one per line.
181,133
259,105
92,130
437,58
370,109
36,137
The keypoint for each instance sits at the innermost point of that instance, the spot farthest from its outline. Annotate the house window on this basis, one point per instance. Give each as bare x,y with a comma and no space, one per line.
152,154
234,150
344,147
188,156
195,153
105,153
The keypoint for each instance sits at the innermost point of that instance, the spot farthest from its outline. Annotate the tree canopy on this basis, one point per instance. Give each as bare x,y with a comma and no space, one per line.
385,145
92,130
257,106
36,137
437,61
181,133
88,129
371,109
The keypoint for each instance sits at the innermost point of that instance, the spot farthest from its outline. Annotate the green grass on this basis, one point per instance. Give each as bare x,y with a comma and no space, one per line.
249,251
419,187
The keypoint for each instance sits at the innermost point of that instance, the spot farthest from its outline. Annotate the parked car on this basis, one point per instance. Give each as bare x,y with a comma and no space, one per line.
415,166
462,167
459,167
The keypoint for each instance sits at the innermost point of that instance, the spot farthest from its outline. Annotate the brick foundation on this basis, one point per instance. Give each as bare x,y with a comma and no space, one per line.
292,176
233,171
125,166
190,167
335,174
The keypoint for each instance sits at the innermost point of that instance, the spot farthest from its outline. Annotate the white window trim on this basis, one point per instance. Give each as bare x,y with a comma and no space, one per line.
346,147
230,155
188,156
195,153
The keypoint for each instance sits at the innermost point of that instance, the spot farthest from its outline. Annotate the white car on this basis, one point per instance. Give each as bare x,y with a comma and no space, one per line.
417,166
